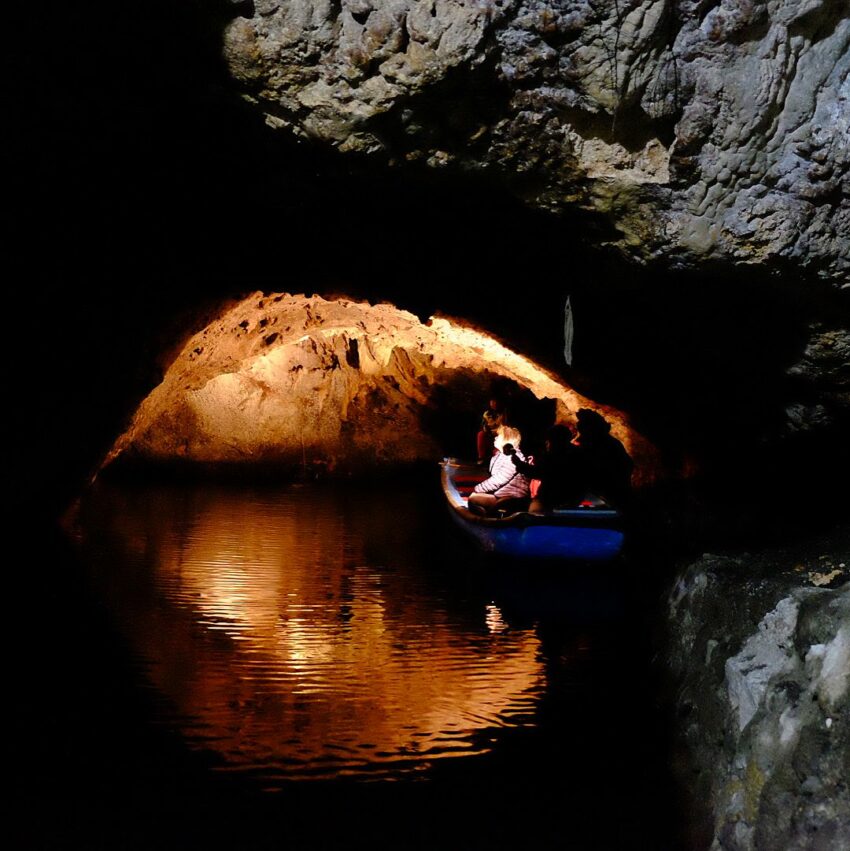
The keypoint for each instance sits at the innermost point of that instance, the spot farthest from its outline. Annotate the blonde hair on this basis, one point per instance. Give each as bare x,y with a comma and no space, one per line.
491,419
507,434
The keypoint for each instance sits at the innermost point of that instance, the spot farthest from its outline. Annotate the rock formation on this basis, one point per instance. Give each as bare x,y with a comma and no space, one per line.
687,132
760,651
318,386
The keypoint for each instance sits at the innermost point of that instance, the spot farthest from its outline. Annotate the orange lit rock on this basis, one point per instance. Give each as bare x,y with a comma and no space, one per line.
310,384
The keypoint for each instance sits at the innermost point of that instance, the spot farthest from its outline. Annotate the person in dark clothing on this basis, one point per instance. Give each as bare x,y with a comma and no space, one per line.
558,471
606,467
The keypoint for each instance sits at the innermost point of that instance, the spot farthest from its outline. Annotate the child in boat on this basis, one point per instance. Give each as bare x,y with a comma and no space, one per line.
506,489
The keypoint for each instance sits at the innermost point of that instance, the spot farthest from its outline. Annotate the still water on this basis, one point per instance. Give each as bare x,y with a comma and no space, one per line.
301,635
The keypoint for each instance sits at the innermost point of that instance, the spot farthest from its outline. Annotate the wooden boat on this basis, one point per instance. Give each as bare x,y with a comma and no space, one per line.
591,531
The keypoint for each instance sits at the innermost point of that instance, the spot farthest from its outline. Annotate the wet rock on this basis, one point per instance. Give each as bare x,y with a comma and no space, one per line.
760,654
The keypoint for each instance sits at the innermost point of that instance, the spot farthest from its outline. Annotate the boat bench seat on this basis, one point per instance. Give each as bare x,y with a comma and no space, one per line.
466,484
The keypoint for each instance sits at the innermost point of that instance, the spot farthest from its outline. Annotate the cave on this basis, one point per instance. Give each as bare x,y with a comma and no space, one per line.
162,227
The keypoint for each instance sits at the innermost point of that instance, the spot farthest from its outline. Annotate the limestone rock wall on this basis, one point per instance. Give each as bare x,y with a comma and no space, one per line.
333,385
760,653
700,131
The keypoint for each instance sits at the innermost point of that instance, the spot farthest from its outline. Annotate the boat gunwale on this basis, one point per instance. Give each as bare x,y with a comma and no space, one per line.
587,517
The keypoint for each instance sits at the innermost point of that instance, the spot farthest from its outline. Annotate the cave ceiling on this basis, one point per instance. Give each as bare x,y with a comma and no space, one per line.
697,132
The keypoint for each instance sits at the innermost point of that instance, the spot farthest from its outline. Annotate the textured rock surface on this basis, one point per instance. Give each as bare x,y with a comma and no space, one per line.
761,656
334,385
699,131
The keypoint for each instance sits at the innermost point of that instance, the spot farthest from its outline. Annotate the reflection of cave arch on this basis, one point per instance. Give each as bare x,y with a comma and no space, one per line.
280,642
306,384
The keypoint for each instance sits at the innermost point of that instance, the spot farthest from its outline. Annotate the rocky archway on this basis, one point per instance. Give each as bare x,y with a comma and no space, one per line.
336,386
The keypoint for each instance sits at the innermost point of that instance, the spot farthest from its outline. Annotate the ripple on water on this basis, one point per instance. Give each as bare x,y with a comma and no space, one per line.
307,633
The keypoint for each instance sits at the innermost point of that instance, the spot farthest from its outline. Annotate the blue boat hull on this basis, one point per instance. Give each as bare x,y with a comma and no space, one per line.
581,534
569,542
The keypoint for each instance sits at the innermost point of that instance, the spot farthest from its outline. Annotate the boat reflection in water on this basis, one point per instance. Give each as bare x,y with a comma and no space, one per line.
307,632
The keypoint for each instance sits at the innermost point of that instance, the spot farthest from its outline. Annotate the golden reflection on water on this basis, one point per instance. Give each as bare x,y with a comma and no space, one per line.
302,633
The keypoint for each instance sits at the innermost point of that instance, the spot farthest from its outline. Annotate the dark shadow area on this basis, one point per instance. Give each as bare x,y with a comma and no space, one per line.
455,413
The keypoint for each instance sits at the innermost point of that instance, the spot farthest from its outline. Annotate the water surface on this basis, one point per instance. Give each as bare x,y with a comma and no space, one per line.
347,638
304,632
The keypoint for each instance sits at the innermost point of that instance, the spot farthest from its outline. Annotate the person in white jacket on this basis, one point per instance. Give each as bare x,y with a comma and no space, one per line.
506,488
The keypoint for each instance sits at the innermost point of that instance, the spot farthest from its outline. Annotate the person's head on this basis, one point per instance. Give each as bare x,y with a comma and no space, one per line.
558,437
506,434
490,420
590,424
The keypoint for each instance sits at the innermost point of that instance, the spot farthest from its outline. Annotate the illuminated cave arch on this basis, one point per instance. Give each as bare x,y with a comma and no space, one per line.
303,382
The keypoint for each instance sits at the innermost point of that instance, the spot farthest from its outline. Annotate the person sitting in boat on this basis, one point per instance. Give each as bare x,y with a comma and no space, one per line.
558,470
506,489
491,420
605,464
